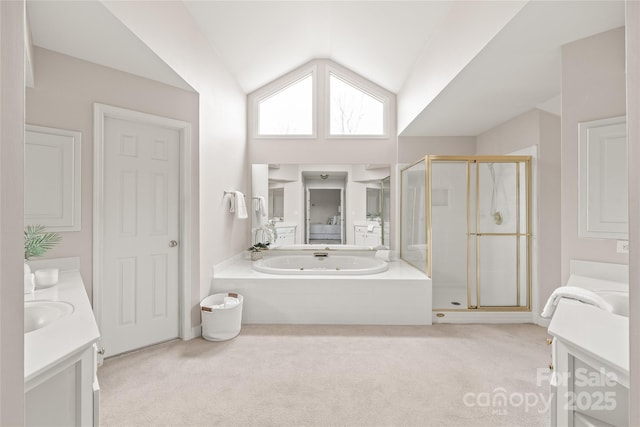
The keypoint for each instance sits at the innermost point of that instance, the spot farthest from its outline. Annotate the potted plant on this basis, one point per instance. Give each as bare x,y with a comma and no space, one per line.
256,250
37,241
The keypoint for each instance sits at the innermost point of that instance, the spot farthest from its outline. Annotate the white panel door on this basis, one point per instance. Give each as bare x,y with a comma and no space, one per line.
141,226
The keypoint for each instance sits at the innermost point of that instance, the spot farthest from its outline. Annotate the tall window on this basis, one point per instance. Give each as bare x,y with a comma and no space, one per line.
353,111
288,111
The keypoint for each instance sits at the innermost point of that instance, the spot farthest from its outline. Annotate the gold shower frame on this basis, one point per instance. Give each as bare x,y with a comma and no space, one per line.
518,160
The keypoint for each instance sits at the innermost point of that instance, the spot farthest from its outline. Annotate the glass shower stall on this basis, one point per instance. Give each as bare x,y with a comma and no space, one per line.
466,223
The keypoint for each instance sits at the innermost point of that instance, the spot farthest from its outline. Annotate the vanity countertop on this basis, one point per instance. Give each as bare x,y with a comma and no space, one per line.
602,335
45,347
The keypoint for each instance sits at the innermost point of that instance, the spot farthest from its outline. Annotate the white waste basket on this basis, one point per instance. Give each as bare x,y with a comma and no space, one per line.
221,316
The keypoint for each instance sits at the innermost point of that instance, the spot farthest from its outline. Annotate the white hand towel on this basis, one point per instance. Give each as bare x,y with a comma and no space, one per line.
241,206
230,196
260,206
573,292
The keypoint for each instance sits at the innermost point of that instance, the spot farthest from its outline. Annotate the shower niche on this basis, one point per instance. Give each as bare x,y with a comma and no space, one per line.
466,223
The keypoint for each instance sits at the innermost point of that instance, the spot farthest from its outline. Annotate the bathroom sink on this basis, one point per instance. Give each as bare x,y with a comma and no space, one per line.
38,314
619,301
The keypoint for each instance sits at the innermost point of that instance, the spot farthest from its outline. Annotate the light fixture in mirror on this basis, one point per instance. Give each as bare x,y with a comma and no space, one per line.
321,204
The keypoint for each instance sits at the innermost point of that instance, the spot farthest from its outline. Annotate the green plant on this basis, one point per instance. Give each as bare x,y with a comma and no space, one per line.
259,247
37,241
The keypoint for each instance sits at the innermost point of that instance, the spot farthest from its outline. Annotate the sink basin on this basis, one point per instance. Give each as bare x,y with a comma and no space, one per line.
38,314
619,301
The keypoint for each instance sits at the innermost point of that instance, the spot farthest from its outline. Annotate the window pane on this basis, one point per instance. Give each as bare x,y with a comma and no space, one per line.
288,112
352,111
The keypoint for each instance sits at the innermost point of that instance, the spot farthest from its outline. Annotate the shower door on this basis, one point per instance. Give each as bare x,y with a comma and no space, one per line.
479,232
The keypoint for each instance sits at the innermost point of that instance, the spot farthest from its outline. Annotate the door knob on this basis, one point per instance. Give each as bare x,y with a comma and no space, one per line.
173,244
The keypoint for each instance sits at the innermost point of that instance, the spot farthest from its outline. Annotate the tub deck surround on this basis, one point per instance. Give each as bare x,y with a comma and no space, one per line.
399,296
67,336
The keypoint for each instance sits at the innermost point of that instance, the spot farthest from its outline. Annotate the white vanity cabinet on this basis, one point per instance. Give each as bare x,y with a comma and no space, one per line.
60,381
65,395
368,235
590,377
286,235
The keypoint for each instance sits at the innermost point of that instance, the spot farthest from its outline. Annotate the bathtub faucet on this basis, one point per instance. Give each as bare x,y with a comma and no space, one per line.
320,254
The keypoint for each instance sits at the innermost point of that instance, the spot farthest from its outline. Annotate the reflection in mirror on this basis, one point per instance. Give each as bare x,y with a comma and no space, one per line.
276,204
321,204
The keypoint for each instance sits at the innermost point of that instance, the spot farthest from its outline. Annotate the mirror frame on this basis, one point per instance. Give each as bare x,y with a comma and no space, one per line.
52,156
598,177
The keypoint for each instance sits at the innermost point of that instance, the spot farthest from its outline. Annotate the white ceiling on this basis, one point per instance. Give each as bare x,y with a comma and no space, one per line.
262,40
87,30
519,70
381,40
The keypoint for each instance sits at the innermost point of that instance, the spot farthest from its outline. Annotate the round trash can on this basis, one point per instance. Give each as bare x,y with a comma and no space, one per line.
221,316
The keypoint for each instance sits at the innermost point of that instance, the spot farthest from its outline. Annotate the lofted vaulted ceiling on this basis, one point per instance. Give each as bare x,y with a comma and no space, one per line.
381,40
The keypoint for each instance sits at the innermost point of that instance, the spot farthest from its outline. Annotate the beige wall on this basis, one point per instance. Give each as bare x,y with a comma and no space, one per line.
412,148
540,129
593,87
65,90
633,138
11,214
520,132
222,155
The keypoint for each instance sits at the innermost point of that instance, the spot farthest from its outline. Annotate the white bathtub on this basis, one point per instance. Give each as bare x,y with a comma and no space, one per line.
332,264
401,295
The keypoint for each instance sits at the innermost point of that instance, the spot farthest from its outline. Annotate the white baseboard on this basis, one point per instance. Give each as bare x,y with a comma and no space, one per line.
194,332
483,317
544,322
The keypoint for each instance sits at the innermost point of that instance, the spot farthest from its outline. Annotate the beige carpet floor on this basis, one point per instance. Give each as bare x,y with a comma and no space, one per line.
277,375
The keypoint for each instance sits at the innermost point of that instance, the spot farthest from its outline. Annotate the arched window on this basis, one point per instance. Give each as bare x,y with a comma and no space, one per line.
320,100
352,111
288,111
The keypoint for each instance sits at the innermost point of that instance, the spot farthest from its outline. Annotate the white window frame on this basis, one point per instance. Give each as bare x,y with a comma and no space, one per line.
277,86
321,70
363,85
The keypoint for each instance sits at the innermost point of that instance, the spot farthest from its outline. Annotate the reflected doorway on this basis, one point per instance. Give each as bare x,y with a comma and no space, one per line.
325,221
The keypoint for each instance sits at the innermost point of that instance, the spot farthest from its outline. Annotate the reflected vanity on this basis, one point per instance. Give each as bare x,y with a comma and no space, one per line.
321,204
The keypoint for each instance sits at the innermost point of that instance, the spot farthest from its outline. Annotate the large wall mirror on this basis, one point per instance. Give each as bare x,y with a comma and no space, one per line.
321,204
603,207
52,178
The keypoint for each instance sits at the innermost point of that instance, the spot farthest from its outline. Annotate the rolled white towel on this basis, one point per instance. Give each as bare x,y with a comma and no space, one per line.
230,302
573,292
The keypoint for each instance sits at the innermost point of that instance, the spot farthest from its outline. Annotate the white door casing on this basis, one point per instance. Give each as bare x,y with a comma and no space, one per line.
140,176
307,218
